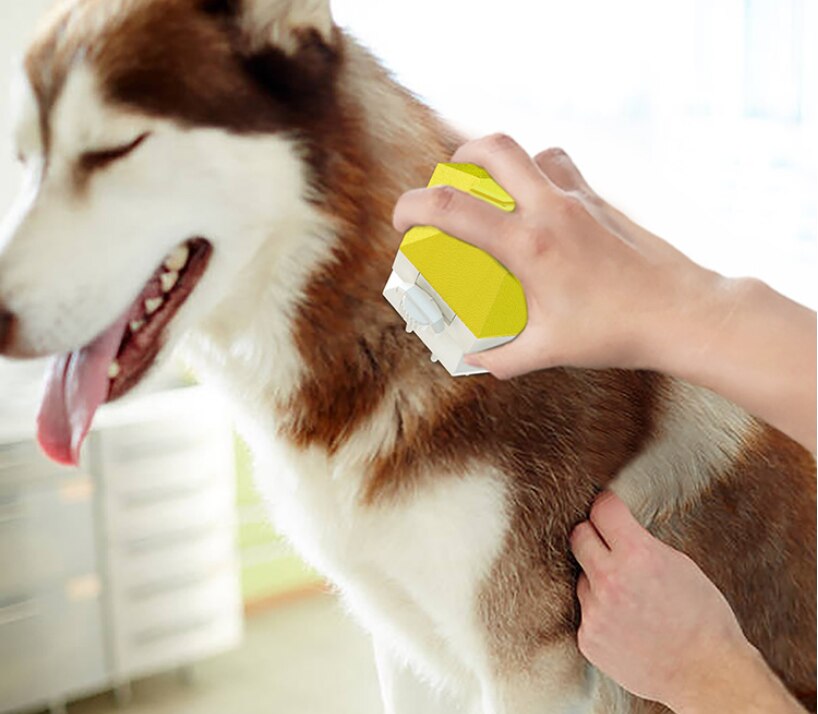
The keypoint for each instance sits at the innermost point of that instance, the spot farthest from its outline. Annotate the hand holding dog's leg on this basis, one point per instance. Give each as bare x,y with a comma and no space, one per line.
653,622
604,292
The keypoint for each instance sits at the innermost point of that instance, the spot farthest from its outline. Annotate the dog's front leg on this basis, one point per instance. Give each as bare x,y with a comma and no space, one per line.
402,691
556,681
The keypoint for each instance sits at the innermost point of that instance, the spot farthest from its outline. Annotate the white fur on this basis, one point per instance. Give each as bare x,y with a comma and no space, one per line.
699,434
275,22
248,197
237,192
27,134
415,595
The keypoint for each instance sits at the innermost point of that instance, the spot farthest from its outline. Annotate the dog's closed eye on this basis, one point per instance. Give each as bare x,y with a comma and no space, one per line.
96,160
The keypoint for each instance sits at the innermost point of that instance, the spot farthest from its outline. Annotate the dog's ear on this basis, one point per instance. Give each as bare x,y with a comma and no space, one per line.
280,24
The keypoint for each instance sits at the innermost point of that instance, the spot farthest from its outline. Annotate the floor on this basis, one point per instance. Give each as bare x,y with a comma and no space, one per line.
306,657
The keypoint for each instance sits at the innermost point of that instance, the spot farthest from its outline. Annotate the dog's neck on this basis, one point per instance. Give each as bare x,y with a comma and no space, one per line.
306,329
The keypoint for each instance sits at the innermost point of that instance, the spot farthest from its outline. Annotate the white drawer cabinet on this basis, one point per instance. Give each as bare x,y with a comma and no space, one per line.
125,566
51,645
168,621
22,463
46,534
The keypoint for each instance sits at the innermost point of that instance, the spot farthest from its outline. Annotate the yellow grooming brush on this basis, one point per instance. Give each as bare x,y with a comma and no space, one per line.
457,298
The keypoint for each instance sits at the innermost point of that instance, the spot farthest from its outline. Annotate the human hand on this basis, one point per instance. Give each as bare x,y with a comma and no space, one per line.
600,289
654,623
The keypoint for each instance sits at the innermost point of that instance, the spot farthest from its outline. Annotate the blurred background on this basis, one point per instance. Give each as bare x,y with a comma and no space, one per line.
149,578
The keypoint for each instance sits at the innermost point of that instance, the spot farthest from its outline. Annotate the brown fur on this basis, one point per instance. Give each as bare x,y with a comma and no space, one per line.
753,534
559,436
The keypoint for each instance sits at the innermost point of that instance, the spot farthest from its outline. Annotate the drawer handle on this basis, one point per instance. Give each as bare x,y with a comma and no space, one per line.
18,611
157,495
139,450
178,582
13,463
155,634
11,511
169,539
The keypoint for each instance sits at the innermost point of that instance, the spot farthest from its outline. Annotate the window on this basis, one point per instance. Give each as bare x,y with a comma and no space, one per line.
696,117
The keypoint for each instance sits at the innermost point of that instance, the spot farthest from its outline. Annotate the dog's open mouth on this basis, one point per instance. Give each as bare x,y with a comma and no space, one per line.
103,370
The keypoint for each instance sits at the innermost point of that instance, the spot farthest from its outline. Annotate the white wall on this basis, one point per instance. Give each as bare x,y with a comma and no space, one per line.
17,20
699,118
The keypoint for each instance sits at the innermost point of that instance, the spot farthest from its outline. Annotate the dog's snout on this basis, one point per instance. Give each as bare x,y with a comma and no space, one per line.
6,320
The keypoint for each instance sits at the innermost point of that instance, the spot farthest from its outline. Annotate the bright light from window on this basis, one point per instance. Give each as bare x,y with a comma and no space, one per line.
697,118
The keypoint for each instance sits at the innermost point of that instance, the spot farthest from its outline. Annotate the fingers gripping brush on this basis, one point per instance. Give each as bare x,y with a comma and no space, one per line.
455,297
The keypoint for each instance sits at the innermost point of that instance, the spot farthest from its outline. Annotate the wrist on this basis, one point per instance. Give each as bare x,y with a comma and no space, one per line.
681,328
739,680
744,341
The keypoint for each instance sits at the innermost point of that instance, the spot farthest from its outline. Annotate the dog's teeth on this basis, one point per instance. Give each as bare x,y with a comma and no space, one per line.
169,280
177,259
113,370
153,304
136,325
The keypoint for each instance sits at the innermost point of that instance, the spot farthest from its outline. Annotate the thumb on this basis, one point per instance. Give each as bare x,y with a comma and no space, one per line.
512,359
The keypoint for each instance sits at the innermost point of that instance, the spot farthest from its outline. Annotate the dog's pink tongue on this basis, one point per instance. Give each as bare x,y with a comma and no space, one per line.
76,385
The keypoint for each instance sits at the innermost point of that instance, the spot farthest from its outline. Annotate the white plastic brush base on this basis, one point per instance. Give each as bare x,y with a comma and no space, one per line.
430,318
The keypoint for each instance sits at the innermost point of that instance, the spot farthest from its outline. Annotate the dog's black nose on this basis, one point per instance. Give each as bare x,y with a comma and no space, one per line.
6,319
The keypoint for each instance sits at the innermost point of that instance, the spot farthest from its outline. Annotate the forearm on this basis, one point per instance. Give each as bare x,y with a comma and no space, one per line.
742,683
748,343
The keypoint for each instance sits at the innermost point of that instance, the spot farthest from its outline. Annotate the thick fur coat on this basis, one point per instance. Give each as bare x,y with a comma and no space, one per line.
440,508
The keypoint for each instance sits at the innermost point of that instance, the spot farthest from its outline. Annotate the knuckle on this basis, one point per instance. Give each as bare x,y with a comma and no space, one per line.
443,198
500,142
569,207
531,239
539,241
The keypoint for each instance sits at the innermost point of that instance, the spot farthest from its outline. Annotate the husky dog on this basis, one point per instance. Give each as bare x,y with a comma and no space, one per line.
221,174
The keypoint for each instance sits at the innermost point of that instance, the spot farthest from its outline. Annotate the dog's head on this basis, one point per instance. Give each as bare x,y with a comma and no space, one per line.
163,142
